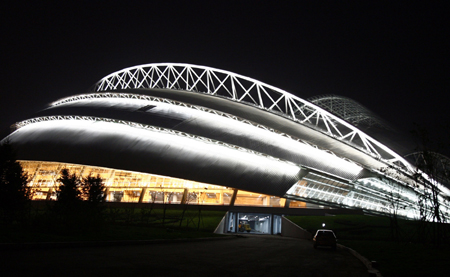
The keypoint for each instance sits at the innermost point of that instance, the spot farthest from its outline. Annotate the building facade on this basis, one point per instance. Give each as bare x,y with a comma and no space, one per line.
181,133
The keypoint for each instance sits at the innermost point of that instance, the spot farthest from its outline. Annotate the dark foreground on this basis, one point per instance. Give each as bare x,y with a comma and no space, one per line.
237,256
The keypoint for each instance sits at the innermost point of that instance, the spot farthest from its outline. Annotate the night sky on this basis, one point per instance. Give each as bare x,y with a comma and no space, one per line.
392,58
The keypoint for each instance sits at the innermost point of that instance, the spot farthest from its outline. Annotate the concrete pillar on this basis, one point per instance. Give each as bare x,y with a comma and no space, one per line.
234,197
107,194
36,172
286,204
220,198
49,194
185,196
141,197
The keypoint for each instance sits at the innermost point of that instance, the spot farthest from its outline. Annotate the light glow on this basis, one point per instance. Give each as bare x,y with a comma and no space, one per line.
131,186
190,143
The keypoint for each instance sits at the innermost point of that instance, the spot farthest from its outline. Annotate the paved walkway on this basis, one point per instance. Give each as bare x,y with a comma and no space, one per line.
239,256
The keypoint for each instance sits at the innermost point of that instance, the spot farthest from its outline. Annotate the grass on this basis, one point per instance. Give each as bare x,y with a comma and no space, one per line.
110,232
117,224
371,237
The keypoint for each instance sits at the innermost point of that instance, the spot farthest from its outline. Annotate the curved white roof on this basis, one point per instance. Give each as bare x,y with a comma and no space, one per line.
243,89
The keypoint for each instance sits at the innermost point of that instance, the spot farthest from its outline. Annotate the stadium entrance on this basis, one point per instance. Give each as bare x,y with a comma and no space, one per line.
253,223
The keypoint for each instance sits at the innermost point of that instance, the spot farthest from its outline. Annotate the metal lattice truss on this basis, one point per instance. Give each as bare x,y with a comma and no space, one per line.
146,127
110,95
246,90
349,110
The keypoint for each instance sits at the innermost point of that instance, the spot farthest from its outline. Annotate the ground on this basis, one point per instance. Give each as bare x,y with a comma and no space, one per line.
247,255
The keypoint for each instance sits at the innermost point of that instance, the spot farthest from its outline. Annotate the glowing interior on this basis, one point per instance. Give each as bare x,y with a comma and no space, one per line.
136,187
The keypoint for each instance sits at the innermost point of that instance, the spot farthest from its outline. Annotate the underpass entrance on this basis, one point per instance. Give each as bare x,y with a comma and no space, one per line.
253,223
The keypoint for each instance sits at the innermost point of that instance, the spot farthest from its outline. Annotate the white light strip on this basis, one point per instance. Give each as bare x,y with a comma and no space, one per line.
314,150
148,128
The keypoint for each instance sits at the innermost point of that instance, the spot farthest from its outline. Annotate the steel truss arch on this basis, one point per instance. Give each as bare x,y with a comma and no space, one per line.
222,83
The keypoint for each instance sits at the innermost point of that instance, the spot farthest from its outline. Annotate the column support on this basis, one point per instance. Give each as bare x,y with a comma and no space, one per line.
141,197
233,198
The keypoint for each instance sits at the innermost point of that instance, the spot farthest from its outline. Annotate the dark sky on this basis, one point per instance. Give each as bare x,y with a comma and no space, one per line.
391,57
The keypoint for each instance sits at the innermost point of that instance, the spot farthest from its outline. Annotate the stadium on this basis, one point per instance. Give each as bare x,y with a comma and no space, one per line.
187,134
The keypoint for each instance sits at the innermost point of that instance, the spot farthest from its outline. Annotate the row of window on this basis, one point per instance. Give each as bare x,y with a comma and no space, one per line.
126,186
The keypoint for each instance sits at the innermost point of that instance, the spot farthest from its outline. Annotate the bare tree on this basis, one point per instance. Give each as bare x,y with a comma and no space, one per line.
146,213
167,196
394,198
190,197
433,173
431,200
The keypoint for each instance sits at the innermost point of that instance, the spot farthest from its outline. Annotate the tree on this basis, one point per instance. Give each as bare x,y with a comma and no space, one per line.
394,198
93,190
69,190
14,190
78,199
432,172
431,201
68,195
94,194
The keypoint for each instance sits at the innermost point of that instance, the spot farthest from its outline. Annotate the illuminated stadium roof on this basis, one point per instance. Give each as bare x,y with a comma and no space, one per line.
217,128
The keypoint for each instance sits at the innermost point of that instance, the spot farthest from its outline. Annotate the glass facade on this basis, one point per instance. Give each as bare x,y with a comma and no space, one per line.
324,189
246,198
136,187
